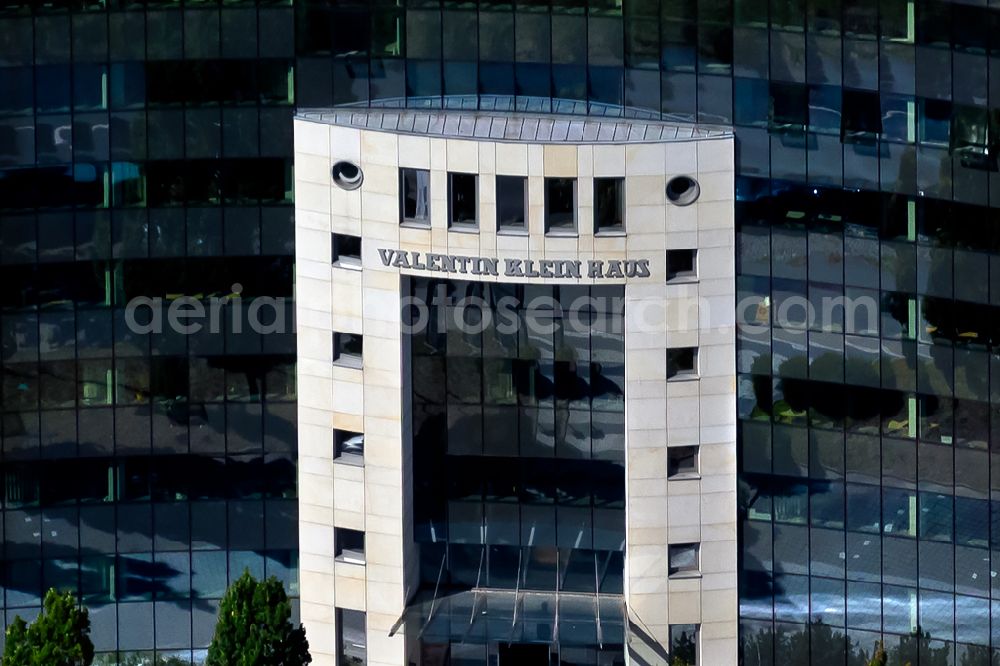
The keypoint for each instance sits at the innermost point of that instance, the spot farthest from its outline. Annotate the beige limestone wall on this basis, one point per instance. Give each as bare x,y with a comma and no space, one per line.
659,413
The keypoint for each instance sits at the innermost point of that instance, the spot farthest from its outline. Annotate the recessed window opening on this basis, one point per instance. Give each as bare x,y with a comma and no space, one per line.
682,461
462,199
609,205
683,558
347,349
684,645
349,545
352,641
682,264
415,196
346,250
682,363
560,205
348,446
512,203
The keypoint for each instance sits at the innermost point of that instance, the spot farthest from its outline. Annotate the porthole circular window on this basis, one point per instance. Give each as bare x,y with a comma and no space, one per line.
347,175
683,190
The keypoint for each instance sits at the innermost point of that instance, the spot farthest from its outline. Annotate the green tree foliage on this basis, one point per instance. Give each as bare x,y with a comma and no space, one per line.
143,658
255,628
920,645
59,637
879,657
978,655
797,395
683,650
818,642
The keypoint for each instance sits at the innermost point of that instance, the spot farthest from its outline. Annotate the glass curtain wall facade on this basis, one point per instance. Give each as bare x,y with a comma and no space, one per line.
519,469
866,169
145,151
868,435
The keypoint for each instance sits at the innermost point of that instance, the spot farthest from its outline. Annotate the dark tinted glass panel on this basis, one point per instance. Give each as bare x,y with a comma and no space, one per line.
463,199
681,264
349,444
560,204
682,362
515,432
683,558
349,545
684,643
682,460
346,249
347,347
351,637
609,204
415,204
511,202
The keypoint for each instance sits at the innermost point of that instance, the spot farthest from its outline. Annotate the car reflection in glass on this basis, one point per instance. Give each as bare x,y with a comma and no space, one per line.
355,445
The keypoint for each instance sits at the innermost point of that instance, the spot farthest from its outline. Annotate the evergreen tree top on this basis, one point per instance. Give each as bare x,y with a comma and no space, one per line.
255,628
60,636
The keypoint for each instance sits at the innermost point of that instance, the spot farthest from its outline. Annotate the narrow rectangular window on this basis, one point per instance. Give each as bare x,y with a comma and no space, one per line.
348,446
463,200
349,545
512,203
347,349
415,196
346,250
682,461
352,641
609,205
684,644
560,205
683,558
682,363
682,264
